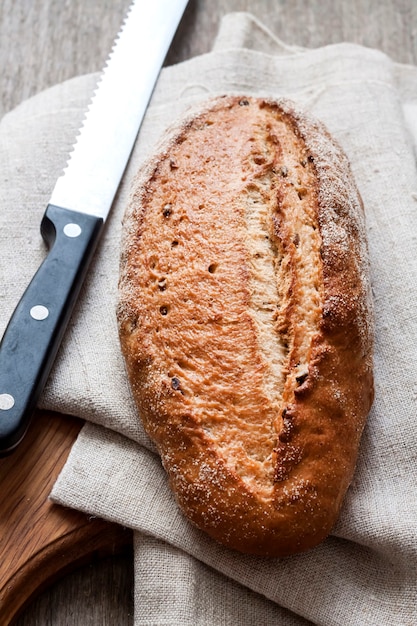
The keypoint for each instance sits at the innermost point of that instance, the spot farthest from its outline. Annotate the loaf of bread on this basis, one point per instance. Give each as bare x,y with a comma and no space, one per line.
245,321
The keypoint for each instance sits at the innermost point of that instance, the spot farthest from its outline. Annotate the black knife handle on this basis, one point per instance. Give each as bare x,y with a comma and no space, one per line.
35,330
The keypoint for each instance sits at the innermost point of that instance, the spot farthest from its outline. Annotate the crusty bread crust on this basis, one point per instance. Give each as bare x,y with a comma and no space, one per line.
245,321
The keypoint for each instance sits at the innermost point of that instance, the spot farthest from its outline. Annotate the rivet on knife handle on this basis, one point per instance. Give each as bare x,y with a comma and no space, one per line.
78,208
34,333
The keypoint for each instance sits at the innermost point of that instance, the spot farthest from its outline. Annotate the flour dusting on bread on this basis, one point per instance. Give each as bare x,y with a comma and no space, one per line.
246,321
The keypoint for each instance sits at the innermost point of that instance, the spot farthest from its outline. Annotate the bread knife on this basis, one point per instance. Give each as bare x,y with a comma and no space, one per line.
78,208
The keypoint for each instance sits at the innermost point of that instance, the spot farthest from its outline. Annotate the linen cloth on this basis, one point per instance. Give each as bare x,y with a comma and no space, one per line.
366,571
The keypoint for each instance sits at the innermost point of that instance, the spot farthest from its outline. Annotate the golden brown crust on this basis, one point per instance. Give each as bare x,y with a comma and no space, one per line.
246,322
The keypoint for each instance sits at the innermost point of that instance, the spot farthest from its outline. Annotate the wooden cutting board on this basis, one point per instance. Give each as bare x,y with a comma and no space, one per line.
41,541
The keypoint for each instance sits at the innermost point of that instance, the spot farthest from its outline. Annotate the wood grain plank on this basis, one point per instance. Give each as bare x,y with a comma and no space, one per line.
40,541
43,42
97,594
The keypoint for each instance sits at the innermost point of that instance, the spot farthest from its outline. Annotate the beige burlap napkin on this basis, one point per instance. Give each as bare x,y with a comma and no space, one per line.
366,572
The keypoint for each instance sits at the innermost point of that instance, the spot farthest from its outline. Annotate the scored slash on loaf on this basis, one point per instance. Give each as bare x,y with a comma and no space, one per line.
245,321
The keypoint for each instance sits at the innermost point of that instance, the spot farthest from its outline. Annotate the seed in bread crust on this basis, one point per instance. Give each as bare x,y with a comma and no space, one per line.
267,332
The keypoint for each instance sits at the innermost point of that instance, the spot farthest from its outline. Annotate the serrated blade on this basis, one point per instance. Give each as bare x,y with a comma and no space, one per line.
106,139
74,218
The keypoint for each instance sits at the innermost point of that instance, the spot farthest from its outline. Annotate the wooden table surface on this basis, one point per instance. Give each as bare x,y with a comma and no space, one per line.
43,42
